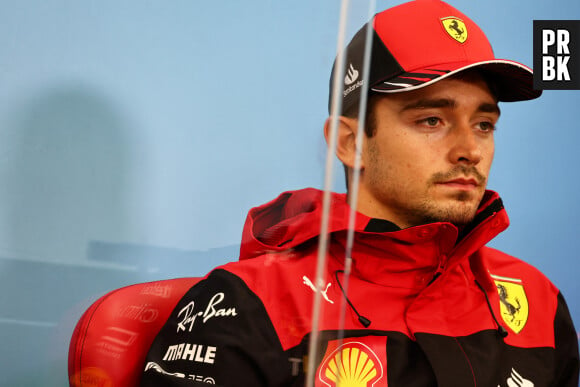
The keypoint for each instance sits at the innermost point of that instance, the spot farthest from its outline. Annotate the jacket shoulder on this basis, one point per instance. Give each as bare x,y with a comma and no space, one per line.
500,264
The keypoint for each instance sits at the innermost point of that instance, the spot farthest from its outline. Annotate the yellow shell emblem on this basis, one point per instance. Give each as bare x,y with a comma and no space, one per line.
513,303
455,28
351,365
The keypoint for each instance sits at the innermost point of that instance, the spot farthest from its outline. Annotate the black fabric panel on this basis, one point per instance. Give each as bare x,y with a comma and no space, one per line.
383,66
155,379
567,361
448,360
407,364
381,225
483,359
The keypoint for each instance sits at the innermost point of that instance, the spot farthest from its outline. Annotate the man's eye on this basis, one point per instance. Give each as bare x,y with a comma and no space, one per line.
486,126
431,121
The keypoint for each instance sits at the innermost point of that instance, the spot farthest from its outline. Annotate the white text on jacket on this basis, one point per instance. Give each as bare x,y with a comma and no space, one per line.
190,315
191,352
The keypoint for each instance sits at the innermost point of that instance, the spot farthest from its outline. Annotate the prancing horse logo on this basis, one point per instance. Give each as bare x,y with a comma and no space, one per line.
513,302
455,28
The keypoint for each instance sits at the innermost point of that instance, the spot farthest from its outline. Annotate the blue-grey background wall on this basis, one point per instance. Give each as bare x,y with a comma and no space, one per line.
135,136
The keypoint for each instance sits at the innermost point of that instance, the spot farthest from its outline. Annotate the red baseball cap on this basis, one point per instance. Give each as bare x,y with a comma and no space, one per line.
424,41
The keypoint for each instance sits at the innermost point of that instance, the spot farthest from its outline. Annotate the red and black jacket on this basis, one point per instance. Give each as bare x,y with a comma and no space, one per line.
426,306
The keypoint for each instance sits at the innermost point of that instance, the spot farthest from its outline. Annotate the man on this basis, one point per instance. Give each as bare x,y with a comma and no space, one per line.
427,303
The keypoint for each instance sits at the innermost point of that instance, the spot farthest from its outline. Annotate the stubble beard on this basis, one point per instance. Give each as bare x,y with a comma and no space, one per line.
460,210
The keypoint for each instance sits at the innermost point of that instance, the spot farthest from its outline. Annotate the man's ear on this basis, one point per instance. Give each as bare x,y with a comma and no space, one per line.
345,138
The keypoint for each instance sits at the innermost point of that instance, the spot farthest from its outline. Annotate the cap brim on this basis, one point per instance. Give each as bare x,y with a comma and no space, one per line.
513,81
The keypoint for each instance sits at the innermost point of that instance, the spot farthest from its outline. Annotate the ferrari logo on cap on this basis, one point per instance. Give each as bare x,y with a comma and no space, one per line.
513,302
455,28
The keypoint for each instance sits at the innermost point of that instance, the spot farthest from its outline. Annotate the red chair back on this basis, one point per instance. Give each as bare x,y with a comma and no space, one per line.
111,340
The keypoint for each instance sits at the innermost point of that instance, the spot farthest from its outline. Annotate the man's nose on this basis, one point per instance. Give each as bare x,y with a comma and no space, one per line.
465,147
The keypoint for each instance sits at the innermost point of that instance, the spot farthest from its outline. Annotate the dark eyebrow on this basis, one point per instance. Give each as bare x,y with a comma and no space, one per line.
485,107
429,103
489,108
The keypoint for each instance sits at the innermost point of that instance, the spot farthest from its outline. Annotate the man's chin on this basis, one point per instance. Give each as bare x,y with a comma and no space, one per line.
461,212
457,212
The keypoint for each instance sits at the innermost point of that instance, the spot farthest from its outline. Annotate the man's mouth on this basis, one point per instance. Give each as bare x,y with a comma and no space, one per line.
461,183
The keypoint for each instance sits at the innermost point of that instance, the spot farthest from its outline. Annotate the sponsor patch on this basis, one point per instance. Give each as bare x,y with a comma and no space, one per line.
357,362
513,302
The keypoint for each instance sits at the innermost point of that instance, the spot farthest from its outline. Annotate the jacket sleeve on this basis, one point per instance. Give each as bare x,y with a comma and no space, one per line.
219,333
566,341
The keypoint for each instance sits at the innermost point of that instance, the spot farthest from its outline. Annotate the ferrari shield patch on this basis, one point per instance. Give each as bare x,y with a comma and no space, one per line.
513,302
455,28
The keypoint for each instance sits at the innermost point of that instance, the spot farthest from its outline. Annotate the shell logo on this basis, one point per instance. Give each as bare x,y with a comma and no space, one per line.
351,365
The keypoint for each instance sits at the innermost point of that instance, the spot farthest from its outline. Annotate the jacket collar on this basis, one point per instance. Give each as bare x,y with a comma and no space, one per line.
380,248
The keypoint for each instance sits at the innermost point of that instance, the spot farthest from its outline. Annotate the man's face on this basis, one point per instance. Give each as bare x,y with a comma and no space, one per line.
431,153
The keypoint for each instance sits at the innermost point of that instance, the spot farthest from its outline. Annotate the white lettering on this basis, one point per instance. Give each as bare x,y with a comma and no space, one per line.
548,68
198,355
211,311
200,378
179,351
189,317
555,68
548,39
170,354
209,355
563,74
563,40
191,352
352,88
